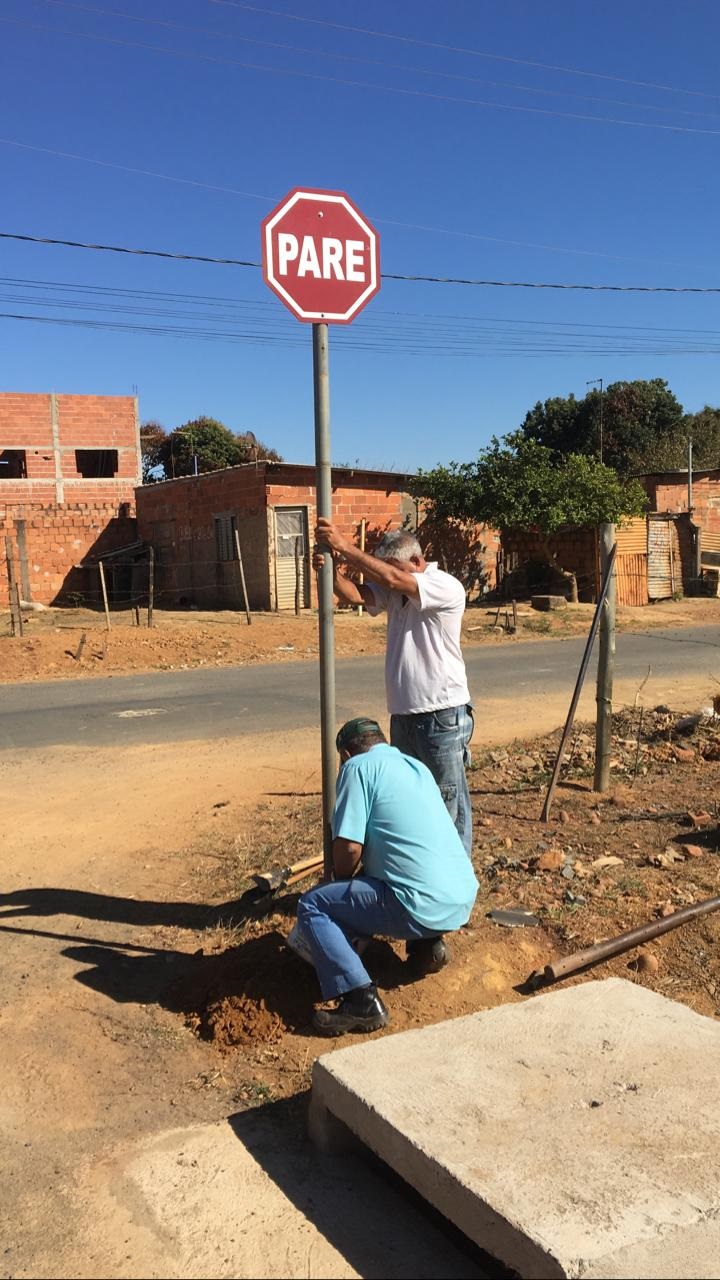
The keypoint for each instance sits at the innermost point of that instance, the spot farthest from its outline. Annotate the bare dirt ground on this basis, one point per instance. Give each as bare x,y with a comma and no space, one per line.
157,1049
52,647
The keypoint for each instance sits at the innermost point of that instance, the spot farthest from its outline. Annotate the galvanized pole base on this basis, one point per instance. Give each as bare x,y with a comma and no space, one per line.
321,385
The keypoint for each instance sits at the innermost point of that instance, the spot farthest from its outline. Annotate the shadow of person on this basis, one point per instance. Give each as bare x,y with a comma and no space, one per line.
257,990
102,906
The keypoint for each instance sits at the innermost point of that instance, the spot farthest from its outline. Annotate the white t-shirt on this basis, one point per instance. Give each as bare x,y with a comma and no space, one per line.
424,668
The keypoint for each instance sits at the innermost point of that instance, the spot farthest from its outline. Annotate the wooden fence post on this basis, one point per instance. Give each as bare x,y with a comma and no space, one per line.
151,585
361,577
16,620
297,575
242,576
101,567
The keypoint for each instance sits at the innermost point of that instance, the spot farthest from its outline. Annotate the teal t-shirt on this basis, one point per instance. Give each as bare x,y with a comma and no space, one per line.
391,805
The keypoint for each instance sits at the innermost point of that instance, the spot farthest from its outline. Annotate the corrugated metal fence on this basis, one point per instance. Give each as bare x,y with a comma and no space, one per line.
632,562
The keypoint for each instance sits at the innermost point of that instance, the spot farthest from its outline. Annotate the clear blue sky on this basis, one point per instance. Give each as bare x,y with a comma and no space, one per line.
428,372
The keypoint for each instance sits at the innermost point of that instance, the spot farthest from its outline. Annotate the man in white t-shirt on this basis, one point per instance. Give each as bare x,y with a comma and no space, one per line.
425,681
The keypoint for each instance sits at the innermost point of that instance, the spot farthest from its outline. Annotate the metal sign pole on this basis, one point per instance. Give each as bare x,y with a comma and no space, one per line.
321,387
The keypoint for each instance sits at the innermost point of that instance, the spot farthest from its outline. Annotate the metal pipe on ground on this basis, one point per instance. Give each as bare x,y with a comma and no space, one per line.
623,942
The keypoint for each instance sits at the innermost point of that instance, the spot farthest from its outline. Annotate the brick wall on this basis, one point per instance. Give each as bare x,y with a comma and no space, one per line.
574,550
66,516
670,494
177,517
57,539
50,429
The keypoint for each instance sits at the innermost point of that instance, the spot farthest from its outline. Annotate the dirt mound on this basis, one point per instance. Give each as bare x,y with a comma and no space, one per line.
252,993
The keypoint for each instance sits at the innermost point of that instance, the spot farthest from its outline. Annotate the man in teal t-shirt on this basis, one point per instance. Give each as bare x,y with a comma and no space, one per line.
417,882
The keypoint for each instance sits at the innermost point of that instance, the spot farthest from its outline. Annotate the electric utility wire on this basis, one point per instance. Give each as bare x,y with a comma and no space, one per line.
375,62
264,304
391,222
385,275
479,351
436,329
359,84
449,48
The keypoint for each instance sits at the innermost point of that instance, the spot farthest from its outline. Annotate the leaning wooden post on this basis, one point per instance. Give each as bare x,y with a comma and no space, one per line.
16,620
361,578
606,663
151,584
297,575
101,567
242,577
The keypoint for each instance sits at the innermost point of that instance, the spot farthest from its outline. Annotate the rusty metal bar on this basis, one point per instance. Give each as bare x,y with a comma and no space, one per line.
624,942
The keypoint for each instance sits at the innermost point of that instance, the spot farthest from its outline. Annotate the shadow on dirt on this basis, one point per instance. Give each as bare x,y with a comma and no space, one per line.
323,1189
102,906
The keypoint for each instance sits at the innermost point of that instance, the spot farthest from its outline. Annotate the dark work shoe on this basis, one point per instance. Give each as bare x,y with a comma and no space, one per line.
427,955
359,1010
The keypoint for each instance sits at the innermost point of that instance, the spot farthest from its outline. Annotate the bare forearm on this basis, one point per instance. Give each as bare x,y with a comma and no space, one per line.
347,592
346,857
376,570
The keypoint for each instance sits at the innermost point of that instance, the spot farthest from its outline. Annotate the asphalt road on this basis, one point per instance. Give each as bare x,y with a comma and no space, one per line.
227,702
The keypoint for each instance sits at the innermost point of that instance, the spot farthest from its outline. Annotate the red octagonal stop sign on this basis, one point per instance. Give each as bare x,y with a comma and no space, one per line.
320,256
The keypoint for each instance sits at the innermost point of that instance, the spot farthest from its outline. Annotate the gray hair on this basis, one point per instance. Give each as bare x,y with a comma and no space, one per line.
398,545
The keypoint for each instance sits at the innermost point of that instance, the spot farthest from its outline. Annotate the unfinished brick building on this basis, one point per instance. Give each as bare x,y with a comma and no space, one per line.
69,466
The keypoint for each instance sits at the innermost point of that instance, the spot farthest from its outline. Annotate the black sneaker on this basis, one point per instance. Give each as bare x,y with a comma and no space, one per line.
427,955
359,1010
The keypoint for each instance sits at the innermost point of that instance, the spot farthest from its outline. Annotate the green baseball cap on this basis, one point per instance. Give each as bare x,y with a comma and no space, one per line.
354,728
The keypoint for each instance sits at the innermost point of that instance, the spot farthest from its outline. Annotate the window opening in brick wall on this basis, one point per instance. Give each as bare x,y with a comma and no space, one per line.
13,464
225,527
96,464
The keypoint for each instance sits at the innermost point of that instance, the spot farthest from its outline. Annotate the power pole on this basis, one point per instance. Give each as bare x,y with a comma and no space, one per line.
594,382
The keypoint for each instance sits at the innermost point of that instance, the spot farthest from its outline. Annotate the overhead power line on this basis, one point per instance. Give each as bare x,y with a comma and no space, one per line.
386,275
390,222
358,84
372,62
450,48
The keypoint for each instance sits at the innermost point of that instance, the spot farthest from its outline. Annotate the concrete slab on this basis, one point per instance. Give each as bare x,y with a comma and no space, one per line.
573,1135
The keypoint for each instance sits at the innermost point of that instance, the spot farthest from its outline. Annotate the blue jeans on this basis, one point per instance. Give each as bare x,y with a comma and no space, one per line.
333,915
440,739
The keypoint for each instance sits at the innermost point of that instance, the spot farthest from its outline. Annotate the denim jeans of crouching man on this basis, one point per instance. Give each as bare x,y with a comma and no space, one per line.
441,740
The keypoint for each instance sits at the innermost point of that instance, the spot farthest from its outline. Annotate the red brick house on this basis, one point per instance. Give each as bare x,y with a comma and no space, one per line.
191,523
668,491
69,466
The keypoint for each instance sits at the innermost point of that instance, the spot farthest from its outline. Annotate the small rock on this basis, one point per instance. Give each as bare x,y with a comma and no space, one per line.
700,819
692,850
595,818
564,816
526,762
567,872
686,724
508,842
684,754
666,859
607,860
646,962
667,909
553,860
486,822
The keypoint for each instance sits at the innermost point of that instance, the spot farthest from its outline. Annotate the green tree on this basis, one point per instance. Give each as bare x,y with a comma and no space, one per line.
637,419
152,435
519,484
212,444
670,451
